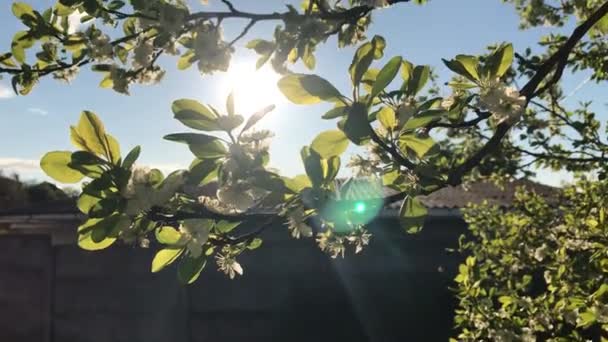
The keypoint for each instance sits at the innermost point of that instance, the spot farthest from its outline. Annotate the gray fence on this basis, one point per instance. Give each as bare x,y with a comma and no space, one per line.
290,292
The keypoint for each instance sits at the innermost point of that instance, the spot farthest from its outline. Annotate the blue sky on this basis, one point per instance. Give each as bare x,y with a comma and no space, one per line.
37,123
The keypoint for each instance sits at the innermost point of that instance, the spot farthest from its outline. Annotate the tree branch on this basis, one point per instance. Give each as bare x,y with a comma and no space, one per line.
559,59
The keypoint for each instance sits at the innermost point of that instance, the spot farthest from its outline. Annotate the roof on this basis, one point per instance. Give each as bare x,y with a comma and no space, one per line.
475,193
446,198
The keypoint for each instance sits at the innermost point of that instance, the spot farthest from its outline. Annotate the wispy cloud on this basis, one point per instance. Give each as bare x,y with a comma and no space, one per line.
38,111
6,92
18,164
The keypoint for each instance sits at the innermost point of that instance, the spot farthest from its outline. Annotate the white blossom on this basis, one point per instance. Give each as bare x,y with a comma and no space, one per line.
143,54
67,75
237,196
503,101
100,46
228,265
195,233
296,221
359,239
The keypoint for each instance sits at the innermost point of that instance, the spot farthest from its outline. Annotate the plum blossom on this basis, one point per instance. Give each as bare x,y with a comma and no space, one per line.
296,221
67,75
503,101
195,233
99,45
228,265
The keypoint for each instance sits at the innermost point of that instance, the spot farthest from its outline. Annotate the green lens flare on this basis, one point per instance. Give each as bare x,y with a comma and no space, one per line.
360,207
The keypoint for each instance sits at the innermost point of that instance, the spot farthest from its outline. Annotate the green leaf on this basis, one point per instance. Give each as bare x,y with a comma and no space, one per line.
407,69
86,201
230,104
104,207
203,171
313,165
131,158
96,234
255,244
362,60
56,165
335,112
185,61
165,257
113,149
21,41
190,269
230,122
225,226
195,115
469,64
332,167
330,143
500,61
423,119
586,319
261,47
297,183
356,126
201,145
167,235
386,75
420,77
412,215
257,116
308,89
419,145
23,11
387,118
90,135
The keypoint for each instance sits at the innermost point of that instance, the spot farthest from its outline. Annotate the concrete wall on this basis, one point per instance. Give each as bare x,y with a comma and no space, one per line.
290,292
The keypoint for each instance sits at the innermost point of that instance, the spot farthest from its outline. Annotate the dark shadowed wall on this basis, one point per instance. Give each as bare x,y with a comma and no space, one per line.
290,291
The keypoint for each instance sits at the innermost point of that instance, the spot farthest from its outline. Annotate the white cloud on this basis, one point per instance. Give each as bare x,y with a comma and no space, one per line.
6,92
17,164
38,111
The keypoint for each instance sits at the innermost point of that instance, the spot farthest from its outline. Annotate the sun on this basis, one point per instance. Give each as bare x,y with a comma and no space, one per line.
253,89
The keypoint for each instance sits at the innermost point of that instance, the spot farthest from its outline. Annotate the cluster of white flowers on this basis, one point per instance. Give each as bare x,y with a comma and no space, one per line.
151,75
331,244
364,166
171,17
143,53
195,233
504,102
213,52
67,75
143,195
359,239
228,265
296,222
335,244
99,45
239,195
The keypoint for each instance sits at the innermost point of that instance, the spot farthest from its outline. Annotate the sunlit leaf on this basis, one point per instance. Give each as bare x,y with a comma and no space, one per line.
55,165
412,214
307,89
330,143
165,257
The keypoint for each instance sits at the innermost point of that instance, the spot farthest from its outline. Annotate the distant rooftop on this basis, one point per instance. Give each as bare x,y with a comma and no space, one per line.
446,198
